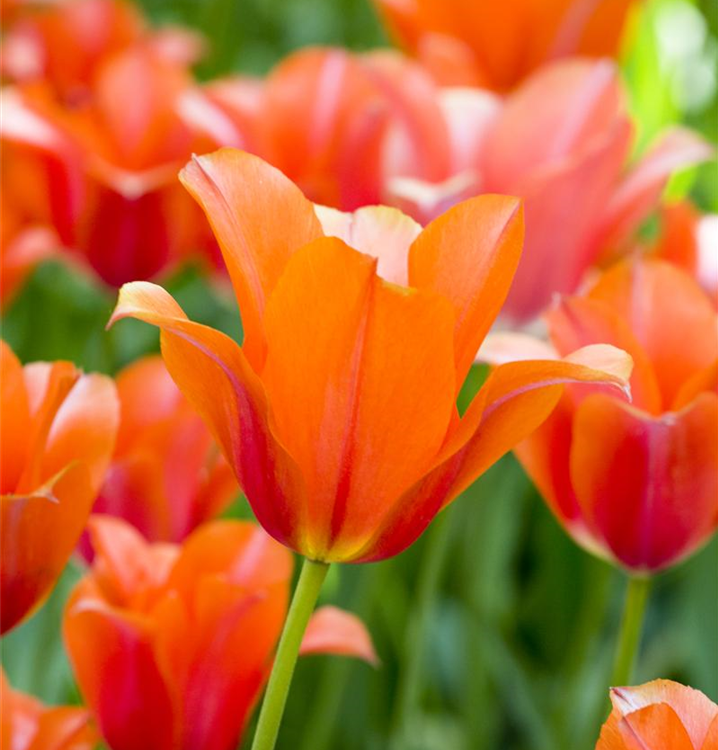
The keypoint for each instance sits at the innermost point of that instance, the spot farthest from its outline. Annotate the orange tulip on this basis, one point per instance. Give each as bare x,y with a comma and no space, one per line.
65,43
171,645
660,714
338,414
133,220
561,142
636,483
167,475
29,725
496,45
58,431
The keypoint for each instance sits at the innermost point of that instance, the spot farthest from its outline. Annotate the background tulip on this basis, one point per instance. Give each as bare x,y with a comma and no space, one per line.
660,714
638,482
58,432
477,42
166,475
27,724
171,645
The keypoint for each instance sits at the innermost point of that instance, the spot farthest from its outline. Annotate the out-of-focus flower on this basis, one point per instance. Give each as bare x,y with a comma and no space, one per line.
171,645
690,240
65,43
660,714
635,483
338,414
143,120
561,142
167,475
58,432
27,724
497,45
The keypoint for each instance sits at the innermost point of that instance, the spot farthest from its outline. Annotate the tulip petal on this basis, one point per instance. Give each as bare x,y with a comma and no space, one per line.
356,368
656,725
680,338
334,631
693,708
259,218
647,485
213,373
65,728
641,189
469,255
113,660
382,232
16,417
515,399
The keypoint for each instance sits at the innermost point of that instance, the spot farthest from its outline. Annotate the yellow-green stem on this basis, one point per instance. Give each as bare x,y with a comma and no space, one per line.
630,635
303,603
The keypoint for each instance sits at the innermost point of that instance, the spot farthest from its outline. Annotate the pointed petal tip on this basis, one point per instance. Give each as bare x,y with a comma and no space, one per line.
608,359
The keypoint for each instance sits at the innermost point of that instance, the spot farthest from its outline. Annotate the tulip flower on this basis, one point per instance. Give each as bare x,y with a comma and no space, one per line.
27,724
167,475
635,483
660,714
65,43
171,645
58,433
570,170
133,219
338,413
497,45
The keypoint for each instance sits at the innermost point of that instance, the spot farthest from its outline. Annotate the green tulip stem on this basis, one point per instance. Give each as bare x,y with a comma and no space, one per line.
303,603
630,636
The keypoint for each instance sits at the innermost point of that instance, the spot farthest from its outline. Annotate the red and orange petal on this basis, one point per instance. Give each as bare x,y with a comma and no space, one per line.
58,433
660,714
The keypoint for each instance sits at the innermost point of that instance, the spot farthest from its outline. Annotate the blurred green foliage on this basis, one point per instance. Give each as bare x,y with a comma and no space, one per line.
516,647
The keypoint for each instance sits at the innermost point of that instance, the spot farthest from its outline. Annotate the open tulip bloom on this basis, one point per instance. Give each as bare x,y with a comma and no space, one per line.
338,413
660,714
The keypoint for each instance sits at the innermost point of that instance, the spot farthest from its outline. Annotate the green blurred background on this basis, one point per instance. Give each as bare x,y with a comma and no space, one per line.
516,641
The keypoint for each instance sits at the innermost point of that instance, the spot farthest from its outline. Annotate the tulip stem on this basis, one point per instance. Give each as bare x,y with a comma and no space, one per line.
303,602
630,636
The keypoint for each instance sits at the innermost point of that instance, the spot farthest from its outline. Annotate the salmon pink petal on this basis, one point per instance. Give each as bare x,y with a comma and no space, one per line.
333,631
694,709
259,218
641,189
113,660
382,232
513,346
568,194
711,740
647,485
679,338
215,376
469,255
360,377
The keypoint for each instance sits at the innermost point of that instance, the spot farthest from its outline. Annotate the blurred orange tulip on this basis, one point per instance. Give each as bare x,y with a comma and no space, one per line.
65,43
133,219
561,142
496,45
26,724
171,645
58,431
636,483
29,725
660,715
167,475
338,414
